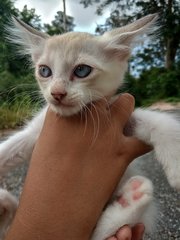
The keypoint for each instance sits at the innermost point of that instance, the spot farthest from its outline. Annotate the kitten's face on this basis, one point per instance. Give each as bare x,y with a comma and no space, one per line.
75,69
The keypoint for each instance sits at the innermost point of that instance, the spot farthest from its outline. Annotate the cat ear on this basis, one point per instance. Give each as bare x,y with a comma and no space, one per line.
31,40
124,37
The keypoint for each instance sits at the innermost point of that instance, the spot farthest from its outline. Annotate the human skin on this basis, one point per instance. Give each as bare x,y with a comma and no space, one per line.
73,173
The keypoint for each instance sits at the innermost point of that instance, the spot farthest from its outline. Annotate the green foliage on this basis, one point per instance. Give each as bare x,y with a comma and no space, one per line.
57,25
13,114
30,17
12,87
155,84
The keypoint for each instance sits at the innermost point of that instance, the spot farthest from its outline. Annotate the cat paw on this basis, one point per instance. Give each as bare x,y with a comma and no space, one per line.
129,208
136,193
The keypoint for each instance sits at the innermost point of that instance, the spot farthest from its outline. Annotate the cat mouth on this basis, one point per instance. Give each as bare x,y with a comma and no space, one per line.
66,105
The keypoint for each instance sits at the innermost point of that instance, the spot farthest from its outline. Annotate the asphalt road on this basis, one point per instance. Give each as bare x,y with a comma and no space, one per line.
168,200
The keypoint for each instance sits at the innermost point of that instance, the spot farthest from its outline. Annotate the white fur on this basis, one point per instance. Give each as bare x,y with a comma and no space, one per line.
108,56
162,131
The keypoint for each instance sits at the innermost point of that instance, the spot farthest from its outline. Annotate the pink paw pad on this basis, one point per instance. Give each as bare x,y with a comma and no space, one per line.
131,192
135,184
137,195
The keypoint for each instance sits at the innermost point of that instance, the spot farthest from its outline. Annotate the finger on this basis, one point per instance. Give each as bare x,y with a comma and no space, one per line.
111,238
122,108
137,232
124,233
136,148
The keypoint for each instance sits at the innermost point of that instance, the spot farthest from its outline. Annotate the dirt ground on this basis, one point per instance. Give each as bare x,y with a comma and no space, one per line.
165,106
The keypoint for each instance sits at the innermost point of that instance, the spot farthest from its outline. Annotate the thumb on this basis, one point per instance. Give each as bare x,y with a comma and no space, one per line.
136,148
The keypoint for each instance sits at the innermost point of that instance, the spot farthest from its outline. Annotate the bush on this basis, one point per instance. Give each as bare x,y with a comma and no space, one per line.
155,84
19,98
14,115
12,87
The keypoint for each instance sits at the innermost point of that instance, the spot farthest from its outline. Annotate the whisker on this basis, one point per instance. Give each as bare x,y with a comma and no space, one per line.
98,123
94,123
85,114
94,131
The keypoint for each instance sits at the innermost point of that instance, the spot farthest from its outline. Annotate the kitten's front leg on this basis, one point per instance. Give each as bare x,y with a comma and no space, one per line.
19,146
162,131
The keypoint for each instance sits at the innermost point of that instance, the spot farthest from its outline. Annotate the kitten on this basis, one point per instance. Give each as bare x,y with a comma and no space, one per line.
74,69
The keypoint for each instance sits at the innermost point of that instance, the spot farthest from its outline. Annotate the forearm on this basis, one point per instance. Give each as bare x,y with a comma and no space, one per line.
55,204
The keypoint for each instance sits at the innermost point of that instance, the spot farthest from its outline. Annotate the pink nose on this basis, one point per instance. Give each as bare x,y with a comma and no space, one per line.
58,96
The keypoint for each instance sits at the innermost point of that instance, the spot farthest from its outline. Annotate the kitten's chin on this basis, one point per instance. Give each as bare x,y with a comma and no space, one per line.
65,111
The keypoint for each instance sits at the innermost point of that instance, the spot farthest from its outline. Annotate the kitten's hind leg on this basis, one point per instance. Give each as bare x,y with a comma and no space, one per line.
8,206
162,131
135,197
19,147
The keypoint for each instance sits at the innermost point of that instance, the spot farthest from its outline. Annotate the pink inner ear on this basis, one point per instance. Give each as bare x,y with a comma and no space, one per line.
119,52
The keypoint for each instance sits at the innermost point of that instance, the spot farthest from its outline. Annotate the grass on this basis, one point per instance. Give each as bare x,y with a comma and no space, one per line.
173,100
16,113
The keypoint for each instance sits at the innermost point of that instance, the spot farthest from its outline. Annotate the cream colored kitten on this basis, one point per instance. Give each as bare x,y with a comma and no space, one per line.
74,69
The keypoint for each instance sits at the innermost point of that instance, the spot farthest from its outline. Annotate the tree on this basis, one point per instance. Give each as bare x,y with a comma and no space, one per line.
57,25
64,15
14,73
168,42
6,10
9,61
30,17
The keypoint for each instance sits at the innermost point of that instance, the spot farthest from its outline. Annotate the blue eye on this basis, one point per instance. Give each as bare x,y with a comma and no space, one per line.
82,71
45,71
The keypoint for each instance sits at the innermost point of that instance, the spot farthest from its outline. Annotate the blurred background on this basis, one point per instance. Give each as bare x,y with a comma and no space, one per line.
154,68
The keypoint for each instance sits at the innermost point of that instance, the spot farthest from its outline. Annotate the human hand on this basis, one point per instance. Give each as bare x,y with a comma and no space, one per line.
76,165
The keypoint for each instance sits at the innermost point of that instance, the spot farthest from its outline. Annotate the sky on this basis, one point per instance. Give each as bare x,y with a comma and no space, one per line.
85,18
